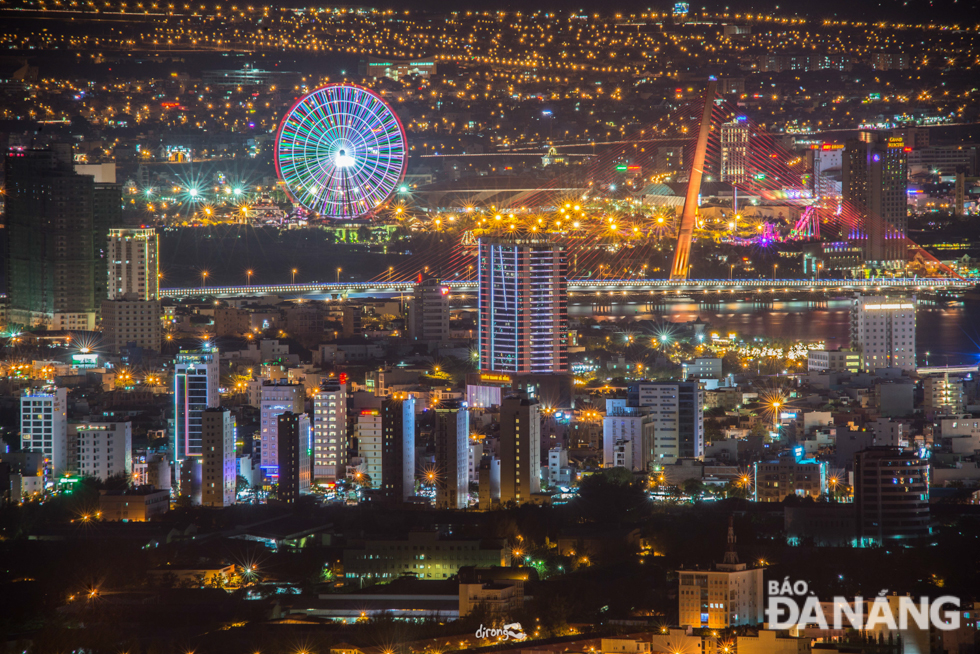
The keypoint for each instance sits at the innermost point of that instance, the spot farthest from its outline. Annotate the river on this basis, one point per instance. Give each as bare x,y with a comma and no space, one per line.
951,335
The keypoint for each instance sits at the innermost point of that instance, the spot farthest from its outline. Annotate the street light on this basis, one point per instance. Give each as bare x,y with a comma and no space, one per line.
248,278
294,275
204,279
391,269
338,275
774,266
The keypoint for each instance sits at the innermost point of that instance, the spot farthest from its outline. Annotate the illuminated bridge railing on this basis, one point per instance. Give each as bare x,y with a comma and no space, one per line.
580,285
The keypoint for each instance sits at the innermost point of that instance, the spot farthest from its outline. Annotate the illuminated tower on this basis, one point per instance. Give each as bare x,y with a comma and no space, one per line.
195,389
523,306
875,183
134,265
735,150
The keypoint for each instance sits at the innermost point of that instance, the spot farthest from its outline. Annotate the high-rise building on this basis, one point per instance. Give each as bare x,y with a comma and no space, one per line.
101,449
135,322
520,449
195,389
398,448
875,180
367,436
729,595
429,311
627,437
523,306
330,430
891,495
134,264
735,150
278,397
883,331
44,427
452,439
677,414
57,223
294,456
219,477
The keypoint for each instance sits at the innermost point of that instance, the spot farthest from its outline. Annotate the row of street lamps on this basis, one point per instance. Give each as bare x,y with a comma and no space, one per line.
249,273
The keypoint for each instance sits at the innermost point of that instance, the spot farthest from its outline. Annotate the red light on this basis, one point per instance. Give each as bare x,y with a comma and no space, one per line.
445,290
342,377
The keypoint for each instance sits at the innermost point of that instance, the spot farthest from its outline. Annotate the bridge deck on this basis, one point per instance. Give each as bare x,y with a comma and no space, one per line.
605,285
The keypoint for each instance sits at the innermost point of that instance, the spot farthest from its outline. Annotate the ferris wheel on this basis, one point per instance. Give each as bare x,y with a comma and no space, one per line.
340,151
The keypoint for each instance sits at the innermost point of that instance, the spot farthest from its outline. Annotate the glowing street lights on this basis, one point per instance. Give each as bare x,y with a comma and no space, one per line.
294,275
338,275
248,279
204,279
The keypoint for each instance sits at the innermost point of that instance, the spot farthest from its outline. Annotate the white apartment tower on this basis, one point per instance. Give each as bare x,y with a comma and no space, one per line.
676,411
44,427
102,449
330,430
134,264
883,331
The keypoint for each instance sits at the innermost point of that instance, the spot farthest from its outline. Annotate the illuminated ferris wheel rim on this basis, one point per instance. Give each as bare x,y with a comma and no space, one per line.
362,167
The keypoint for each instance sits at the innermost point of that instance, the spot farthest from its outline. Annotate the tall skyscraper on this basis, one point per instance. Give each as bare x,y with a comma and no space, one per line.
133,264
219,478
398,449
875,181
330,430
278,397
735,150
57,223
677,414
44,427
891,495
883,331
452,438
429,311
523,300
520,449
294,456
195,389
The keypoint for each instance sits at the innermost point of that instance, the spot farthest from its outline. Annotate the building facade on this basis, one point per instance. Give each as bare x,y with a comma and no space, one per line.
774,481
523,321
735,150
135,322
195,389
278,397
874,184
330,430
398,448
628,438
294,456
429,311
677,413
425,555
219,477
133,264
44,427
101,449
452,438
57,224
891,495
842,360
520,449
883,332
